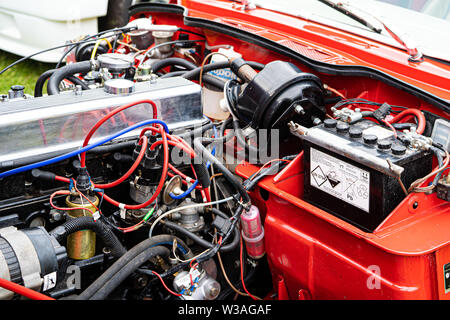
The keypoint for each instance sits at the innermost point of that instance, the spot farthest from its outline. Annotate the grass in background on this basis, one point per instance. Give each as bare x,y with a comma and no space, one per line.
25,73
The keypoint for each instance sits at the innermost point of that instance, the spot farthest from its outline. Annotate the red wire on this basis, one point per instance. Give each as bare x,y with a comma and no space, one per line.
82,195
183,176
207,195
422,122
62,179
164,284
336,92
109,115
391,127
66,209
242,272
23,291
161,181
131,170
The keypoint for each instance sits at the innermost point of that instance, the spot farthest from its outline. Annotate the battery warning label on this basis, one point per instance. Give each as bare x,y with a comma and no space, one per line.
340,179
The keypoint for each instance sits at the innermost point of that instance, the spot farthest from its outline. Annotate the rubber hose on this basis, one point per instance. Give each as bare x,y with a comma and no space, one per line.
119,276
63,72
78,81
196,132
215,82
202,174
195,73
208,255
241,140
219,213
202,242
158,65
101,230
128,256
173,74
206,155
39,86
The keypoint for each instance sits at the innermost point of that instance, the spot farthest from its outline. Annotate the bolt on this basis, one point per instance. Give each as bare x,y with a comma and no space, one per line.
55,216
141,281
213,292
316,121
153,78
78,90
299,109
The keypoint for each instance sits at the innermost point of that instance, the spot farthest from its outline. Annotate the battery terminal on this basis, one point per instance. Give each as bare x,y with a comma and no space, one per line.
297,130
417,141
347,115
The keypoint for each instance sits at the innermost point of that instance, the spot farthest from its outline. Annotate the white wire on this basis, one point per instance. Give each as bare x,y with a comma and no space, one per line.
174,247
196,205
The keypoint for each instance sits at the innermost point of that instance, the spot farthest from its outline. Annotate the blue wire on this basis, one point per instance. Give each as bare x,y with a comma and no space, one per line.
81,150
179,246
208,164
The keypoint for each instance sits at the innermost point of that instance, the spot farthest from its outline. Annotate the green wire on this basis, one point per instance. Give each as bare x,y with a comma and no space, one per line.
149,214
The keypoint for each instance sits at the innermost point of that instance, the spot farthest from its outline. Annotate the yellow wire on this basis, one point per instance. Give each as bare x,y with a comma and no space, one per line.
97,43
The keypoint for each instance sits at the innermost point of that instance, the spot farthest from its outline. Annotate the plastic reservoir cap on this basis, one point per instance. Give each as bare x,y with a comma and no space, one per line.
441,133
119,86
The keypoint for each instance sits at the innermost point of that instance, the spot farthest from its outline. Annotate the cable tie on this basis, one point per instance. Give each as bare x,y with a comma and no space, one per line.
123,211
96,215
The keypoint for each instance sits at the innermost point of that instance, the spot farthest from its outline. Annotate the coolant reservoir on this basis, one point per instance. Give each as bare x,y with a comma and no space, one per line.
211,96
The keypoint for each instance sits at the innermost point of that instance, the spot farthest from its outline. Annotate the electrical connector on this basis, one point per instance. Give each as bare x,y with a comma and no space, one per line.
443,188
222,224
381,113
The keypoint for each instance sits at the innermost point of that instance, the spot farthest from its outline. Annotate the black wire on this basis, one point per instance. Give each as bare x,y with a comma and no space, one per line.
168,43
75,44
366,102
35,54
115,43
189,31
205,256
436,150
371,103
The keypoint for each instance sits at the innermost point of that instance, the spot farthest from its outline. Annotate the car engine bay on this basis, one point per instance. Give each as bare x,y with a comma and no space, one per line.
167,161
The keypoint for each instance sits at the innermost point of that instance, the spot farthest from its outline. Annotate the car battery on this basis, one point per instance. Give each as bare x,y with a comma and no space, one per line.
352,170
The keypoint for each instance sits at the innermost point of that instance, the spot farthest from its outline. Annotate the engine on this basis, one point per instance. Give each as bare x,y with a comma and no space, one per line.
160,167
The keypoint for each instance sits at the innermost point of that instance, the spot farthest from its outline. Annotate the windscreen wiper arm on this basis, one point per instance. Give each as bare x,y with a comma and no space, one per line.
411,48
339,6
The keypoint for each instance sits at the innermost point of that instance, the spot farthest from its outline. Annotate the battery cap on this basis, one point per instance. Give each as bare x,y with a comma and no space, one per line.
330,123
355,133
398,149
342,128
384,145
370,139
